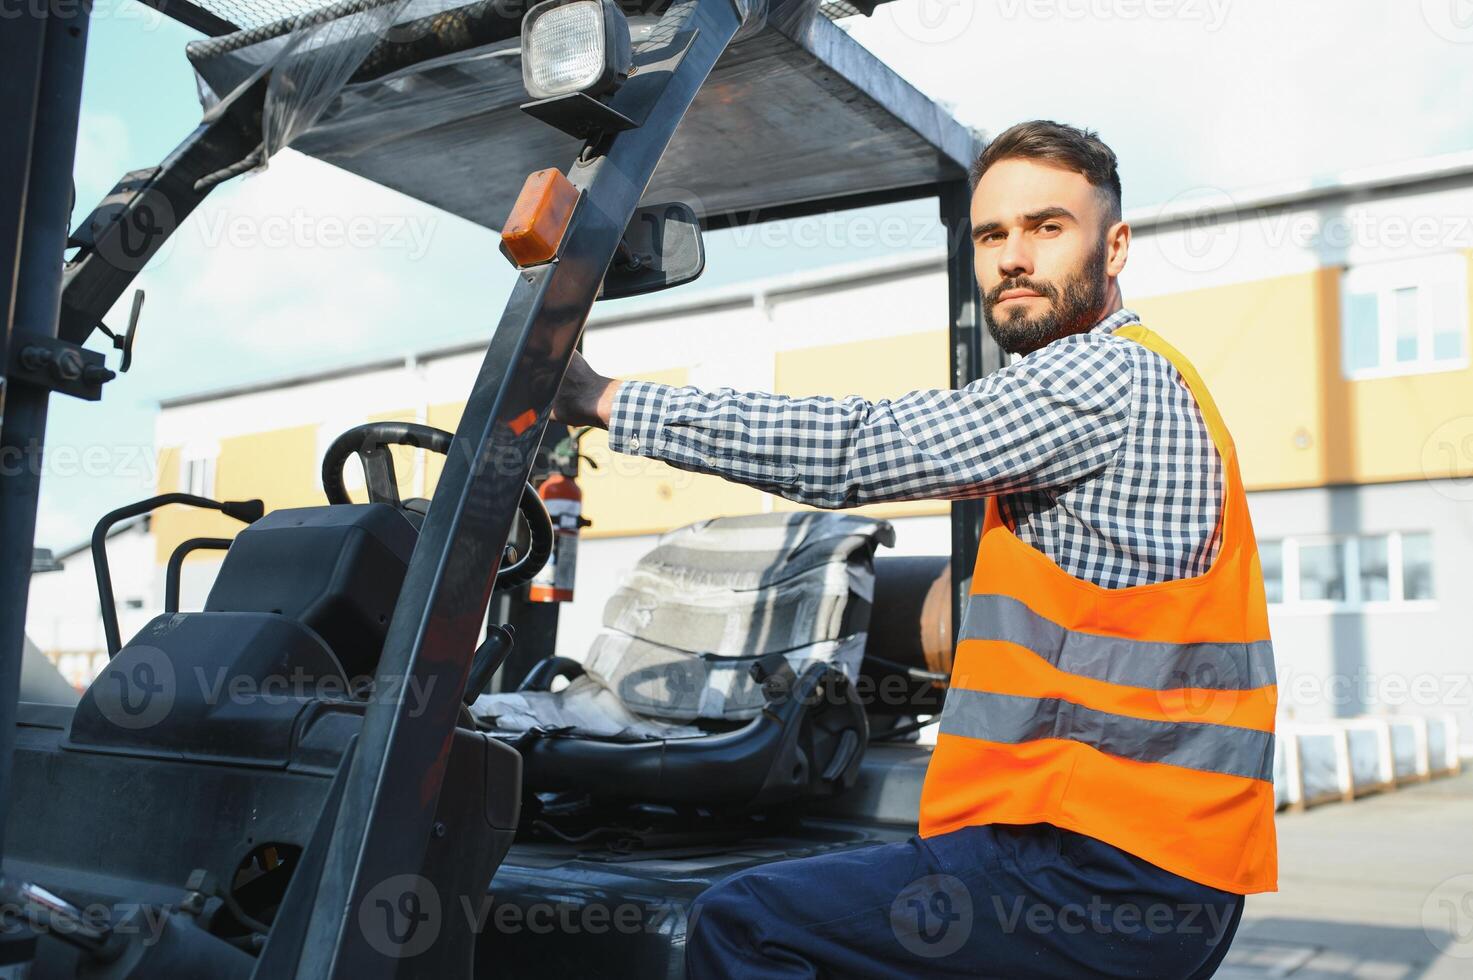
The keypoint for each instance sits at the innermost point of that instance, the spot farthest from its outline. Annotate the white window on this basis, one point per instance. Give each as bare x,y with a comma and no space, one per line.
1405,317
197,471
1367,570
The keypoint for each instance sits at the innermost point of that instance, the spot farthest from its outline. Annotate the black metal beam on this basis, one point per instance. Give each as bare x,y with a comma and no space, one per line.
139,214
20,53
973,354
824,205
193,16
382,828
46,81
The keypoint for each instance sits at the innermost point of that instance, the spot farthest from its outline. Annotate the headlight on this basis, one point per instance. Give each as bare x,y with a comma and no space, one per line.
574,46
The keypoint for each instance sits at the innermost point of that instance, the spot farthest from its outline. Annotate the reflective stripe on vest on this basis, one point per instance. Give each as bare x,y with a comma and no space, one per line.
1188,744
1140,716
1136,663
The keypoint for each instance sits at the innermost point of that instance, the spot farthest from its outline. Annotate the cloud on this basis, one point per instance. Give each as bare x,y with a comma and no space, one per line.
304,266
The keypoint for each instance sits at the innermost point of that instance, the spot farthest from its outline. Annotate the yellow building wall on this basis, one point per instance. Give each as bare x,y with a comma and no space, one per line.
1411,427
628,495
873,369
1259,346
279,467
1271,353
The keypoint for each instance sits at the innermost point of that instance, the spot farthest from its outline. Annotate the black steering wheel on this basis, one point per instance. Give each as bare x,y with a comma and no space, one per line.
371,442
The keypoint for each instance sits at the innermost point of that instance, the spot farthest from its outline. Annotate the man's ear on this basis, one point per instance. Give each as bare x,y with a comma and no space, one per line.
1117,248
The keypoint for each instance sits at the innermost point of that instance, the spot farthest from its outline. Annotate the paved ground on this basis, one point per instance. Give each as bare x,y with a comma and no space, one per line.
1378,889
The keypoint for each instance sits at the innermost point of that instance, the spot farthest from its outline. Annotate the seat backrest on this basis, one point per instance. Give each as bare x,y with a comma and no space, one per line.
687,623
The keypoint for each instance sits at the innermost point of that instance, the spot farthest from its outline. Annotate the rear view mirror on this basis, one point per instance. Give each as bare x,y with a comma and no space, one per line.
662,247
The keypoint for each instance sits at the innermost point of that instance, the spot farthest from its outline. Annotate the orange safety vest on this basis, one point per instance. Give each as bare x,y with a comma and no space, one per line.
1142,717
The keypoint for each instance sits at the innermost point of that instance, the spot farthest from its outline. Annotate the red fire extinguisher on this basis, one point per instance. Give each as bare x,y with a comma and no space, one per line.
554,583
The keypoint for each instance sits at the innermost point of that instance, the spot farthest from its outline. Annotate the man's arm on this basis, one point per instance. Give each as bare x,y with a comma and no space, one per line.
1046,421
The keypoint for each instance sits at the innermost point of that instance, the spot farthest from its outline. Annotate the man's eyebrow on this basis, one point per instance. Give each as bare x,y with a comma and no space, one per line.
1031,218
1043,214
979,230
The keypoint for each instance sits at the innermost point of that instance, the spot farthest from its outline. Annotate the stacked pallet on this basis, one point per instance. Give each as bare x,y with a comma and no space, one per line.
1320,762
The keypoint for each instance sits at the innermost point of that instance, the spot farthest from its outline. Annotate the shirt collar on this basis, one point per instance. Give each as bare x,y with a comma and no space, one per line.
1120,318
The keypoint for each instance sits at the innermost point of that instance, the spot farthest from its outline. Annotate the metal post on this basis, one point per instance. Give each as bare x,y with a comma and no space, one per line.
382,827
43,56
973,354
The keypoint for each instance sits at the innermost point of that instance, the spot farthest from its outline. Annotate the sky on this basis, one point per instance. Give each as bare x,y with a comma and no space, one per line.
303,266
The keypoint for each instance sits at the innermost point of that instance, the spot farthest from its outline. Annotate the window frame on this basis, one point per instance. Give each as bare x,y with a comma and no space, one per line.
1383,280
208,458
1350,569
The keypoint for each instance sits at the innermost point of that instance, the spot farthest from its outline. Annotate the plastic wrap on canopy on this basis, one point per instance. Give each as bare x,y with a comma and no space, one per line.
797,111
309,65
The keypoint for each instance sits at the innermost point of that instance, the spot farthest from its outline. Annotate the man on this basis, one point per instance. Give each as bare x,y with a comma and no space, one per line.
1100,795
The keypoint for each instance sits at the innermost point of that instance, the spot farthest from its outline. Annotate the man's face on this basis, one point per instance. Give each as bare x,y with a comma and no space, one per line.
1043,255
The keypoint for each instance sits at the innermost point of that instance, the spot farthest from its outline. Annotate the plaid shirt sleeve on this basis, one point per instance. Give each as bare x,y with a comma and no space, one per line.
1046,420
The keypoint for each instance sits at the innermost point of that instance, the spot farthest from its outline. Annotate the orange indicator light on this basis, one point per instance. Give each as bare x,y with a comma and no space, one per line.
538,220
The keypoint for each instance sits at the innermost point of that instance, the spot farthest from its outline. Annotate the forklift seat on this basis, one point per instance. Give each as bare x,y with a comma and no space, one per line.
734,644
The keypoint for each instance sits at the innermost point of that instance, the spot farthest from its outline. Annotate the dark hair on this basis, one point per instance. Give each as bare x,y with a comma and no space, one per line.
1080,150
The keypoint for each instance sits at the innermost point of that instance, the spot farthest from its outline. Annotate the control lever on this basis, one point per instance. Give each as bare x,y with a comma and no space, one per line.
489,657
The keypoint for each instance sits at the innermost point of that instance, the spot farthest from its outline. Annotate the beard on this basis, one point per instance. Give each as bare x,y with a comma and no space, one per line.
1073,307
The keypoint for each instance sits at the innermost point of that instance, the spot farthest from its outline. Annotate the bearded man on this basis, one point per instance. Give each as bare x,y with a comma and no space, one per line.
1100,797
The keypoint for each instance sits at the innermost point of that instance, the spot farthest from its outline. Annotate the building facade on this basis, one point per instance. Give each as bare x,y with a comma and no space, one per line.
1330,321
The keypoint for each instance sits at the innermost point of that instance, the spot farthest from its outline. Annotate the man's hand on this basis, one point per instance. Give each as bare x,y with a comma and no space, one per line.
586,397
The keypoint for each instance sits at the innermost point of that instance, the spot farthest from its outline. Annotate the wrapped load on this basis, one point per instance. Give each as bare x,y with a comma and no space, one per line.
686,626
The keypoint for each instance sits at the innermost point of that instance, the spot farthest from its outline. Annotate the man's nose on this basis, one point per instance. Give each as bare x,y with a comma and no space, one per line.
1013,260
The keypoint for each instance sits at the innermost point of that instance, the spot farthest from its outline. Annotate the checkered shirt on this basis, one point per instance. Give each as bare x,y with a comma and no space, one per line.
1093,445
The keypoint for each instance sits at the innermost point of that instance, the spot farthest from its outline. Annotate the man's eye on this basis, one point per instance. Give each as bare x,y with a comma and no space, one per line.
1050,227
993,237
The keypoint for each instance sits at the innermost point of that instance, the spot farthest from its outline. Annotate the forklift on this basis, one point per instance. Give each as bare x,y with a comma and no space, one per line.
358,822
